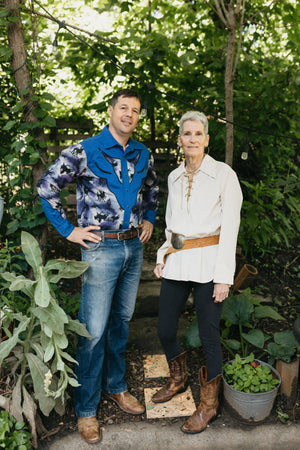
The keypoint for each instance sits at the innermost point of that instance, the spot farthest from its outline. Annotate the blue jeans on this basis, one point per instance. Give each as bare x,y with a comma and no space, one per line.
109,289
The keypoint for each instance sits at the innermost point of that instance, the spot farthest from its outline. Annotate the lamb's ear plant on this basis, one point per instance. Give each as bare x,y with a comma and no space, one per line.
34,358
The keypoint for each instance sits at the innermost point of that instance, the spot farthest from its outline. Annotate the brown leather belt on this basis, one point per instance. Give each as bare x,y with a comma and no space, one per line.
194,243
120,235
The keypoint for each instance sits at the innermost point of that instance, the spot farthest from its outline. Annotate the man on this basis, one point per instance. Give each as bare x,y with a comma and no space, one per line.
116,184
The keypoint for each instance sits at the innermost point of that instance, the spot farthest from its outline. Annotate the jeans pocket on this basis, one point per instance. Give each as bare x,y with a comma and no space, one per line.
93,246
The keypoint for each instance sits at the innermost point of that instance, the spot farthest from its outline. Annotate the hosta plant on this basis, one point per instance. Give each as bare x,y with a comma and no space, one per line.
34,358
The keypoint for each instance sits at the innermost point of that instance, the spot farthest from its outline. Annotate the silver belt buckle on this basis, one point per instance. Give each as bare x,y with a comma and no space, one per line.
177,241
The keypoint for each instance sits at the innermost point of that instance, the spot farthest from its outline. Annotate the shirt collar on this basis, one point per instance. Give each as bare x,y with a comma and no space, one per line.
108,141
208,166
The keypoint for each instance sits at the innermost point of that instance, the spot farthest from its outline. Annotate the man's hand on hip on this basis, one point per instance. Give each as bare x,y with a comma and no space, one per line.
80,235
146,229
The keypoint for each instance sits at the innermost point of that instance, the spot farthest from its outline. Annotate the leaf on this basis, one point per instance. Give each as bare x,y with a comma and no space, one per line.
71,269
29,410
9,125
7,346
60,405
38,371
16,399
191,337
50,319
68,357
267,311
12,226
49,121
60,340
285,338
232,343
31,251
237,309
73,382
255,337
49,352
77,327
20,283
38,349
42,294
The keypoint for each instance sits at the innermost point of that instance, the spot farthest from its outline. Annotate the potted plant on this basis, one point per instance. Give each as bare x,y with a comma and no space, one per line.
250,388
35,354
285,350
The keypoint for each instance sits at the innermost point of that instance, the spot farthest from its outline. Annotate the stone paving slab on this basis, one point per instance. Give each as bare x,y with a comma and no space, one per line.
155,366
181,405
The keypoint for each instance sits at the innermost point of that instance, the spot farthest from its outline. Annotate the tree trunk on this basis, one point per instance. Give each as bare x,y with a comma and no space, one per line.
229,96
15,34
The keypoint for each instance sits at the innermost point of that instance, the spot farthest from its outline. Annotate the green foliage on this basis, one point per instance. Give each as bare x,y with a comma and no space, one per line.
247,375
282,416
191,337
271,213
284,346
35,352
240,313
12,260
13,434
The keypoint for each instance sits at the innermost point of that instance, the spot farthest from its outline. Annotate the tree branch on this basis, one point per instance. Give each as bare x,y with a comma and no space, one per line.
240,40
224,9
220,12
222,18
33,11
238,7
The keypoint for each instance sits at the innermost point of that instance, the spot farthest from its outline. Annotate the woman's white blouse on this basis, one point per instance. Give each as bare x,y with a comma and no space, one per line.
212,208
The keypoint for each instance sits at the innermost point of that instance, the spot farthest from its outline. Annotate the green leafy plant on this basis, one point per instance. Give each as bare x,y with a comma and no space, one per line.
284,347
13,260
35,354
248,375
13,434
282,416
241,315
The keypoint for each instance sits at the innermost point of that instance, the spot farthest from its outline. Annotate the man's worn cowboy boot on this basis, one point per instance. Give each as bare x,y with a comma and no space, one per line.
209,403
178,381
89,429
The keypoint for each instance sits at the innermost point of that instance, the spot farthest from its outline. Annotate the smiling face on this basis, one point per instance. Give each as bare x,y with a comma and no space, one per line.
124,117
193,139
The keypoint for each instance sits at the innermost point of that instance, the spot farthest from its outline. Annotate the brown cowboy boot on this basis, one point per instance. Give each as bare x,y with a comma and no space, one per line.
209,403
178,380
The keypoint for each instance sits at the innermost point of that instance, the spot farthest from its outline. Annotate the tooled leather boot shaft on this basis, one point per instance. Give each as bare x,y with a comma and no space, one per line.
209,403
177,382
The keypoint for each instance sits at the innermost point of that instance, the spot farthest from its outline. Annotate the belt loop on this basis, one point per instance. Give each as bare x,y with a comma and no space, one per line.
102,236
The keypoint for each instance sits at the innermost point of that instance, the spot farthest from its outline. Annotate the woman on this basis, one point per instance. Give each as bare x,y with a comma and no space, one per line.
202,219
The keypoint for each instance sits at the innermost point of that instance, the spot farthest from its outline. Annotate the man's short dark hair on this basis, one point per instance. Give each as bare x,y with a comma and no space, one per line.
124,93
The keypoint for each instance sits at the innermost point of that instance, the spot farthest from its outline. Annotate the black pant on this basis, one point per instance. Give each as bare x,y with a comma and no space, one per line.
173,296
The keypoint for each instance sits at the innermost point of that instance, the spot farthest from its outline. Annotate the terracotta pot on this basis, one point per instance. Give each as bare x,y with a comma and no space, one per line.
289,373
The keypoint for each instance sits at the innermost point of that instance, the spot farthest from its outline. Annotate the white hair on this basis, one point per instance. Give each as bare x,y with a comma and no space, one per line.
197,117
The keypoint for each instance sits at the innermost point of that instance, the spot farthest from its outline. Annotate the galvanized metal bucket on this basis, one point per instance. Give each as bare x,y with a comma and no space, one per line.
250,407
